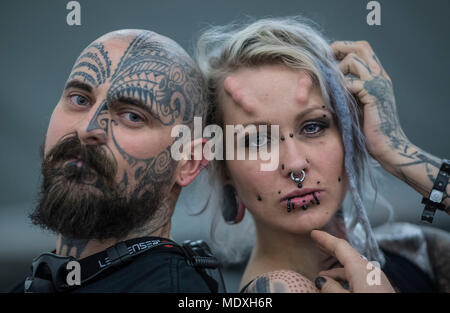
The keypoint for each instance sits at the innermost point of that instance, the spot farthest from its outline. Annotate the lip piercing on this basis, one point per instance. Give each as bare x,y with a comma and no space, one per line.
315,198
298,179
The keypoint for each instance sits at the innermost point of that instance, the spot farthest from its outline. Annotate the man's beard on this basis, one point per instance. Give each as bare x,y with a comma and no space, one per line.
85,202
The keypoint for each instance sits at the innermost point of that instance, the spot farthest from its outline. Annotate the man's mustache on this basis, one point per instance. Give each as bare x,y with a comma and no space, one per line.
94,156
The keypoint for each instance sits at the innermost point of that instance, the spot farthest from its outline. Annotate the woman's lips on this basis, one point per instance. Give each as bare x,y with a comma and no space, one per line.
307,199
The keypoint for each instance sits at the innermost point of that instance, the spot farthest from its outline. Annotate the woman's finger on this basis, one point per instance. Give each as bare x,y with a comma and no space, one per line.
352,64
327,284
335,273
361,48
354,84
339,248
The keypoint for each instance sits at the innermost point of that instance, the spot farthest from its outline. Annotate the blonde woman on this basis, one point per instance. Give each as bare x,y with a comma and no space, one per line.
335,106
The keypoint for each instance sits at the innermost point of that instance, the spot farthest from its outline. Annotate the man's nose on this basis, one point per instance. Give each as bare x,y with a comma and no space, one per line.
92,129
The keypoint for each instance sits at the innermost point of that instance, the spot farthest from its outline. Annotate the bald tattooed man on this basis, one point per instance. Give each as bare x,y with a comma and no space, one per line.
109,184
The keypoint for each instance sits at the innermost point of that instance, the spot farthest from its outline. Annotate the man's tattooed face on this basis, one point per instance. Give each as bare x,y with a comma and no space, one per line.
107,168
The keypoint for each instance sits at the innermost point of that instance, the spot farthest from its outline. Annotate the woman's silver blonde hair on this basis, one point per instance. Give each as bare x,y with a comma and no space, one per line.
296,43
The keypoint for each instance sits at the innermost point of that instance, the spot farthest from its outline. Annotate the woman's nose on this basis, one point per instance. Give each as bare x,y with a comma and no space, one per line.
293,159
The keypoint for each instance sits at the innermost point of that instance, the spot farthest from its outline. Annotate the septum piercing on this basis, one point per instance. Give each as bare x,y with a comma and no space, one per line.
298,179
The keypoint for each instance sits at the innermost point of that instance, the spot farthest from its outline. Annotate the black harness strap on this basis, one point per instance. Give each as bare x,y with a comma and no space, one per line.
49,270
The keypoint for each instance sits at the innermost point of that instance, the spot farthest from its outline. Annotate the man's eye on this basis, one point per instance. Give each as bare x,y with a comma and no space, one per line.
132,117
79,100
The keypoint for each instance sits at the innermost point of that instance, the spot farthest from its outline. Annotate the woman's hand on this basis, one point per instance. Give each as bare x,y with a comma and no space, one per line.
372,87
367,80
360,275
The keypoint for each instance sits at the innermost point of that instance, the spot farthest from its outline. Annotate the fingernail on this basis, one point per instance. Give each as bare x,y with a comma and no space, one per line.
345,285
320,281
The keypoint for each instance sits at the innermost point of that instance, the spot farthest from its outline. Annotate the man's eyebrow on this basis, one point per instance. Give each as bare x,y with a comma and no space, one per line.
78,84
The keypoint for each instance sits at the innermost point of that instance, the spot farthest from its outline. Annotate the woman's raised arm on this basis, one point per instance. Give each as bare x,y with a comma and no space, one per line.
367,80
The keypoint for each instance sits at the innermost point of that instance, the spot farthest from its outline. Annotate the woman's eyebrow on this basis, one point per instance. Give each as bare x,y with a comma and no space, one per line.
302,114
299,116
258,123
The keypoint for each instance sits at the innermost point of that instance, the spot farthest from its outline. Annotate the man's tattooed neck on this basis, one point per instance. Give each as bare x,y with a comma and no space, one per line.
72,247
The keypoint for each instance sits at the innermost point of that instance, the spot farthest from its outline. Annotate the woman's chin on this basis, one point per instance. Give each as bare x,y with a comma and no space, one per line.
305,221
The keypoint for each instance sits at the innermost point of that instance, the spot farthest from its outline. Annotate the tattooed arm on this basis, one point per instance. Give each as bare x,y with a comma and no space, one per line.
367,80
283,281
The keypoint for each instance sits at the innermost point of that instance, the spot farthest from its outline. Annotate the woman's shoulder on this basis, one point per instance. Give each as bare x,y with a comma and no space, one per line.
280,281
426,247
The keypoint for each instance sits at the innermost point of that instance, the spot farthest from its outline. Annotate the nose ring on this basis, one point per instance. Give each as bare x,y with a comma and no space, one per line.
298,179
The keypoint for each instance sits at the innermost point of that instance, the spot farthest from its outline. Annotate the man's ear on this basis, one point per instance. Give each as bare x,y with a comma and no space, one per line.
189,169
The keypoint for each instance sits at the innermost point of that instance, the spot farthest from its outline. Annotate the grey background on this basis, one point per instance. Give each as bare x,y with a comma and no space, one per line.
38,48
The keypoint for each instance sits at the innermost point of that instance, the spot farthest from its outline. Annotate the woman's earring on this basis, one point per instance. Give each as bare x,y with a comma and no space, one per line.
233,210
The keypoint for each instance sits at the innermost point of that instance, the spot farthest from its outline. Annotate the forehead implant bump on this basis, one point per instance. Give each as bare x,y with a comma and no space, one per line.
304,87
233,88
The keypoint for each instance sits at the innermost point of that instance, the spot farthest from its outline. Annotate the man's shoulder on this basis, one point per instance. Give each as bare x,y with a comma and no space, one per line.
157,271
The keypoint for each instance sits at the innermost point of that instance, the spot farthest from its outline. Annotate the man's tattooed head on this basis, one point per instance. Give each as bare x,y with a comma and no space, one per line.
107,169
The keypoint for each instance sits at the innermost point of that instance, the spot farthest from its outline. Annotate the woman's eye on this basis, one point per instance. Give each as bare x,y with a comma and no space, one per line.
256,141
79,100
132,117
312,128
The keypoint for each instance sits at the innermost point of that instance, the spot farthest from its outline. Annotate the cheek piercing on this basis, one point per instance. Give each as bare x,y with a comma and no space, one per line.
339,179
259,198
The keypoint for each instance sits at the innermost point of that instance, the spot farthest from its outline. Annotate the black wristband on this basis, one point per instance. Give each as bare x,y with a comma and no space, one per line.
433,202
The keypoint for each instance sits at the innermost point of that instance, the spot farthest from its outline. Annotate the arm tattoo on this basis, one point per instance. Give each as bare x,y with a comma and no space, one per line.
381,89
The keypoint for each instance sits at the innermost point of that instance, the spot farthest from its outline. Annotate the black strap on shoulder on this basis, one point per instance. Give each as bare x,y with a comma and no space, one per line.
49,271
